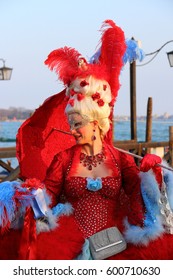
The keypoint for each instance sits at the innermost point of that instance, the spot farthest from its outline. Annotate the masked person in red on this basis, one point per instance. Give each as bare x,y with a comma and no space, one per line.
84,186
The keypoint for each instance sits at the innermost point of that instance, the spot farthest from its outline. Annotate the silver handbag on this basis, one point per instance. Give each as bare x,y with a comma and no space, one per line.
106,243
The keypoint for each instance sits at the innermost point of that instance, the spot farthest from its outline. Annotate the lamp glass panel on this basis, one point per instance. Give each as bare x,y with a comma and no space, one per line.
170,58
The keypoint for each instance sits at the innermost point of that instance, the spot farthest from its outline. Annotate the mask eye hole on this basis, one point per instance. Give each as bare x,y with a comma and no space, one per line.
78,124
77,121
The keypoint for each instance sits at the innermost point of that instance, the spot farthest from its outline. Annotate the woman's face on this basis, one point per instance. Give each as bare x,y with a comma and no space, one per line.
81,128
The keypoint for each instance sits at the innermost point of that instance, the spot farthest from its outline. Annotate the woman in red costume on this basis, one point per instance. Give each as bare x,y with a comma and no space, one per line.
89,185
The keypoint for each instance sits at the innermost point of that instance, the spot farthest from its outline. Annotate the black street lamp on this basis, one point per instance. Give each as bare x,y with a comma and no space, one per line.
170,58
5,72
155,53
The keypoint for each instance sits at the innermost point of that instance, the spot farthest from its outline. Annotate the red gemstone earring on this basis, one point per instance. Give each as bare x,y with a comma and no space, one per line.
93,138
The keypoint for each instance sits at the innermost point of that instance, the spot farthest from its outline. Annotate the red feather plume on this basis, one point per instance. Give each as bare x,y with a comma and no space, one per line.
65,62
112,50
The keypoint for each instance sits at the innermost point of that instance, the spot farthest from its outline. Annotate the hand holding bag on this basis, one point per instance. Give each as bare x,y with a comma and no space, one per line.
106,243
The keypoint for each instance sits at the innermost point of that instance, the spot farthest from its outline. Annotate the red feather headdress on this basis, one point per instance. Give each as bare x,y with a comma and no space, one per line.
113,47
66,61
37,132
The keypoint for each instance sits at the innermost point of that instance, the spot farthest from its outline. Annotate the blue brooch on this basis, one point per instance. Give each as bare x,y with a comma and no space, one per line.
94,184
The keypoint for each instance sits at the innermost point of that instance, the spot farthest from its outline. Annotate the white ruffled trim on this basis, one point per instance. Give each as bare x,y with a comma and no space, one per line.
52,217
52,223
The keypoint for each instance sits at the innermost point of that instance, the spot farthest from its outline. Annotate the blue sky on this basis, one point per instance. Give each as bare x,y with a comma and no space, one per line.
31,29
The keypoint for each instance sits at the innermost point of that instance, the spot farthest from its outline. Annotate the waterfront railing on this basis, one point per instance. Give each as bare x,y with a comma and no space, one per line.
138,148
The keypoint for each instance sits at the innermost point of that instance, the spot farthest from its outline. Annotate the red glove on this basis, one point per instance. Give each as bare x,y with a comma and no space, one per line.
150,161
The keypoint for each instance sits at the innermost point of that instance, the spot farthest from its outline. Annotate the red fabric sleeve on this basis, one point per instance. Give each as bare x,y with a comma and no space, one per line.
131,184
54,179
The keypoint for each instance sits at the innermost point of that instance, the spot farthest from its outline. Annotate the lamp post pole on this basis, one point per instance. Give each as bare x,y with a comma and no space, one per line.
133,100
133,114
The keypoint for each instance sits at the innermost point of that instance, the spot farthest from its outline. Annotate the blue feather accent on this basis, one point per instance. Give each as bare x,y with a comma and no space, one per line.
95,58
138,235
85,254
151,195
62,209
7,204
153,227
133,52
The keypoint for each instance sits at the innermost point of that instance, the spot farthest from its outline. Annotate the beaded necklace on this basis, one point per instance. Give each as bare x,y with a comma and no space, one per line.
92,161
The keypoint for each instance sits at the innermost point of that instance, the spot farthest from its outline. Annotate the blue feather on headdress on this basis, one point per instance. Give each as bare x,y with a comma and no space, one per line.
95,57
133,52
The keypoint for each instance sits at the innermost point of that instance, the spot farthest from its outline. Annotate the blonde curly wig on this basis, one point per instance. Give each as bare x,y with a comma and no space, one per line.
90,97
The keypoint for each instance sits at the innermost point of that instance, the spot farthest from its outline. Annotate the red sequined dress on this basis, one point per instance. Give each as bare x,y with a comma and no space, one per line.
96,210
119,197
